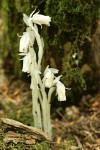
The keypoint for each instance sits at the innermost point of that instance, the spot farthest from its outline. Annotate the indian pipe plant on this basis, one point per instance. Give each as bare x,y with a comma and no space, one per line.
41,100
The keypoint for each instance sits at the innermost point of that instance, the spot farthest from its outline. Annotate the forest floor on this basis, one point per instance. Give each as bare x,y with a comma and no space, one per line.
75,128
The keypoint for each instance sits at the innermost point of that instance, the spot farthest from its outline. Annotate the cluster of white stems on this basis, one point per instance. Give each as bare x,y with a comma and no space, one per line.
41,100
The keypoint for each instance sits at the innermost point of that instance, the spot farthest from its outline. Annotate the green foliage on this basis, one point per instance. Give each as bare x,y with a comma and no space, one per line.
70,67
73,75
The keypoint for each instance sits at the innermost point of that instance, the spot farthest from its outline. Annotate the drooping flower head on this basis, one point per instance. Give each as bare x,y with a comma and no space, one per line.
51,80
61,91
24,42
37,19
49,76
26,63
41,19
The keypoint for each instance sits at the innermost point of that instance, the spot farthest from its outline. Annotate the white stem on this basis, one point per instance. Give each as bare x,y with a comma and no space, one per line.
44,109
51,90
40,45
49,121
35,93
46,112
36,106
40,98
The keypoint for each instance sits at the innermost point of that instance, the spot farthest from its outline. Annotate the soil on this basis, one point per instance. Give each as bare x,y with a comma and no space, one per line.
75,128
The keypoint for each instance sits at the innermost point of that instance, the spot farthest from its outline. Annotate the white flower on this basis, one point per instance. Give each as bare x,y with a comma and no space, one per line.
76,62
61,91
27,20
26,63
41,19
27,39
37,19
56,79
24,42
74,55
49,76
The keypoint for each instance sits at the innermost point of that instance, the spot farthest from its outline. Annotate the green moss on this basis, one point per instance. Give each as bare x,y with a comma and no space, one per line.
72,21
39,146
68,12
42,146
